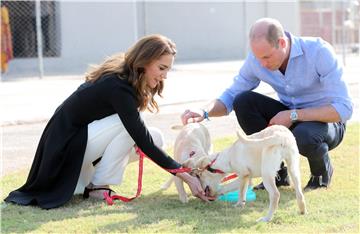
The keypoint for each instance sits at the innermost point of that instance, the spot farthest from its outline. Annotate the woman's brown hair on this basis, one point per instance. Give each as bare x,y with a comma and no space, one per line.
131,65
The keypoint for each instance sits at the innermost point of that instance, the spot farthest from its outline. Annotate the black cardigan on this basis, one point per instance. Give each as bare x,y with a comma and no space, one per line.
59,156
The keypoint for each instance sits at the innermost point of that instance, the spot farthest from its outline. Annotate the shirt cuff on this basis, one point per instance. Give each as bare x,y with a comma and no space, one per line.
227,100
344,111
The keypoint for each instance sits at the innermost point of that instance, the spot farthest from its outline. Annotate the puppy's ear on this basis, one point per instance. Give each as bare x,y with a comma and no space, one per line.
199,163
196,172
203,162
189,163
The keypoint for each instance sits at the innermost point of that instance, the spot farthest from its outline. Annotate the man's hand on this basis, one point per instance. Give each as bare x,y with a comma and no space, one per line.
192,116
214,109
282,118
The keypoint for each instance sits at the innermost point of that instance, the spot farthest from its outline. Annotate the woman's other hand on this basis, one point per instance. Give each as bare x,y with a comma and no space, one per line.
194,185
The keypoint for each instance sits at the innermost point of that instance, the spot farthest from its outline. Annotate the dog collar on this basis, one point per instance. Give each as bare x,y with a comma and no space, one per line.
212,170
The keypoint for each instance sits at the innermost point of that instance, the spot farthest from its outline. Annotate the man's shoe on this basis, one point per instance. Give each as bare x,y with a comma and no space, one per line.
281,179
322,181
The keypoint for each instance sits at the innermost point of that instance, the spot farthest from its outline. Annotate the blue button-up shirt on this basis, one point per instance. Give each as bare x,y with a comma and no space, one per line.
313,78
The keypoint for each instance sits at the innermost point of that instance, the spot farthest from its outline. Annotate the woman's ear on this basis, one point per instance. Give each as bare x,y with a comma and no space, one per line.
140,70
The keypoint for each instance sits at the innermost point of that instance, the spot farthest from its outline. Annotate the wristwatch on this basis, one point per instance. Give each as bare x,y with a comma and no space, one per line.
293,116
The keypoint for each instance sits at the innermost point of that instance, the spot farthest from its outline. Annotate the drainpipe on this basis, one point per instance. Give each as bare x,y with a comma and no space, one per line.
39,38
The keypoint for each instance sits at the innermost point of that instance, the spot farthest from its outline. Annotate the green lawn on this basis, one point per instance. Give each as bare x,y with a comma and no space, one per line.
333,210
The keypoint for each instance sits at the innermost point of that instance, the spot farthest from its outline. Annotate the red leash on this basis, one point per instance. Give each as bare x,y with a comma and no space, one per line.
110,199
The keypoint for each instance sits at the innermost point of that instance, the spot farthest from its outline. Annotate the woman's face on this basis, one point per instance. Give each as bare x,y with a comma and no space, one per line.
156,71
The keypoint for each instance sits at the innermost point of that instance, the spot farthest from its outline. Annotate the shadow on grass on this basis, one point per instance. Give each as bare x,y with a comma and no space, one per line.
157,211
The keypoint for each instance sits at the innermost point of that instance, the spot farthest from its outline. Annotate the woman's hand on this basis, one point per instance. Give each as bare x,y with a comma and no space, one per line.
195,116
194,185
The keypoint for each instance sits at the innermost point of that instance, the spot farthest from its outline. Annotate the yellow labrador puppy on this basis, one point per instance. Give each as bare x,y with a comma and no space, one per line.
257,155
193,140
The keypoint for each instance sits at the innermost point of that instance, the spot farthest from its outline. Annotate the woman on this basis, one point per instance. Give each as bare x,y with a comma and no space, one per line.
84,129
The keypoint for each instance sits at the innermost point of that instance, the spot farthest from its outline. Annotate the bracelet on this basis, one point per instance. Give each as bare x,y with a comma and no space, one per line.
206,115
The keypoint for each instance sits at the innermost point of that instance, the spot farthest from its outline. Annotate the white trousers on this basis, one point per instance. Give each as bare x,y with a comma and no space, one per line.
108,138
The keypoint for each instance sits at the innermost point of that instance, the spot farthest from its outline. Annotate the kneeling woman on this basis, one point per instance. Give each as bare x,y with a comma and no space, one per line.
84,129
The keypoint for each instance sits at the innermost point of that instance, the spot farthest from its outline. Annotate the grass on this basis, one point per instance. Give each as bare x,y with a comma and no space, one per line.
335,210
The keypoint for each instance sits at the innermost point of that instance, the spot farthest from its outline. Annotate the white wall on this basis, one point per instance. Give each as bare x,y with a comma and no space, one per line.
92,31
203,31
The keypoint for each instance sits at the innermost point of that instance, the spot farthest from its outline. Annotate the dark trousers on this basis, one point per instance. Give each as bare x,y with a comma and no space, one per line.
314,139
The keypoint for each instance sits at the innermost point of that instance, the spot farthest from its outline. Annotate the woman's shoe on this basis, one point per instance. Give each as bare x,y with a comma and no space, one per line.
87,192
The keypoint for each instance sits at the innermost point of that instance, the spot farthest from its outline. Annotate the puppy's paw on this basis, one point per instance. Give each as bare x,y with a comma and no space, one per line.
303,212
240,204
165,186
263,219
302,208
184,199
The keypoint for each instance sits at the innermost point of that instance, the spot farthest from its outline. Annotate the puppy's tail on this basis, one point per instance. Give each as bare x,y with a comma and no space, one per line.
275,139
167,184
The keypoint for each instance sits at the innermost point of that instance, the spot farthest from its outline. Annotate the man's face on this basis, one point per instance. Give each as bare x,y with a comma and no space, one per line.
269,57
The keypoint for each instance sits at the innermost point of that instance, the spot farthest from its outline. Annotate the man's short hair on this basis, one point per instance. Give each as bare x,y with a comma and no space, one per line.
271,30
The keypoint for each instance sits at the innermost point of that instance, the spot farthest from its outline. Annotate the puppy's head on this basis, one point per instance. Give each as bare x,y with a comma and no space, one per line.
209,179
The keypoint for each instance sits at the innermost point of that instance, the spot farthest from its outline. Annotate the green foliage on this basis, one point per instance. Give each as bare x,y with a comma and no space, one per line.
333,210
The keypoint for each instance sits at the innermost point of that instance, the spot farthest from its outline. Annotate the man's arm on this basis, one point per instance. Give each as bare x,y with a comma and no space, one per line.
332,80
243,81
216,108
326,114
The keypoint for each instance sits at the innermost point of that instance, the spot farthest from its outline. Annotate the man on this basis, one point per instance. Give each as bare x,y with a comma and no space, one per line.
313,98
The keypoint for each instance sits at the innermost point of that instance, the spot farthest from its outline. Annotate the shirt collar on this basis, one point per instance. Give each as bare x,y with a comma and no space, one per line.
295,46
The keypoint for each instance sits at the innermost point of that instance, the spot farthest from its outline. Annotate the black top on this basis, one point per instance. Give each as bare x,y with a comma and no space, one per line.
59,156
